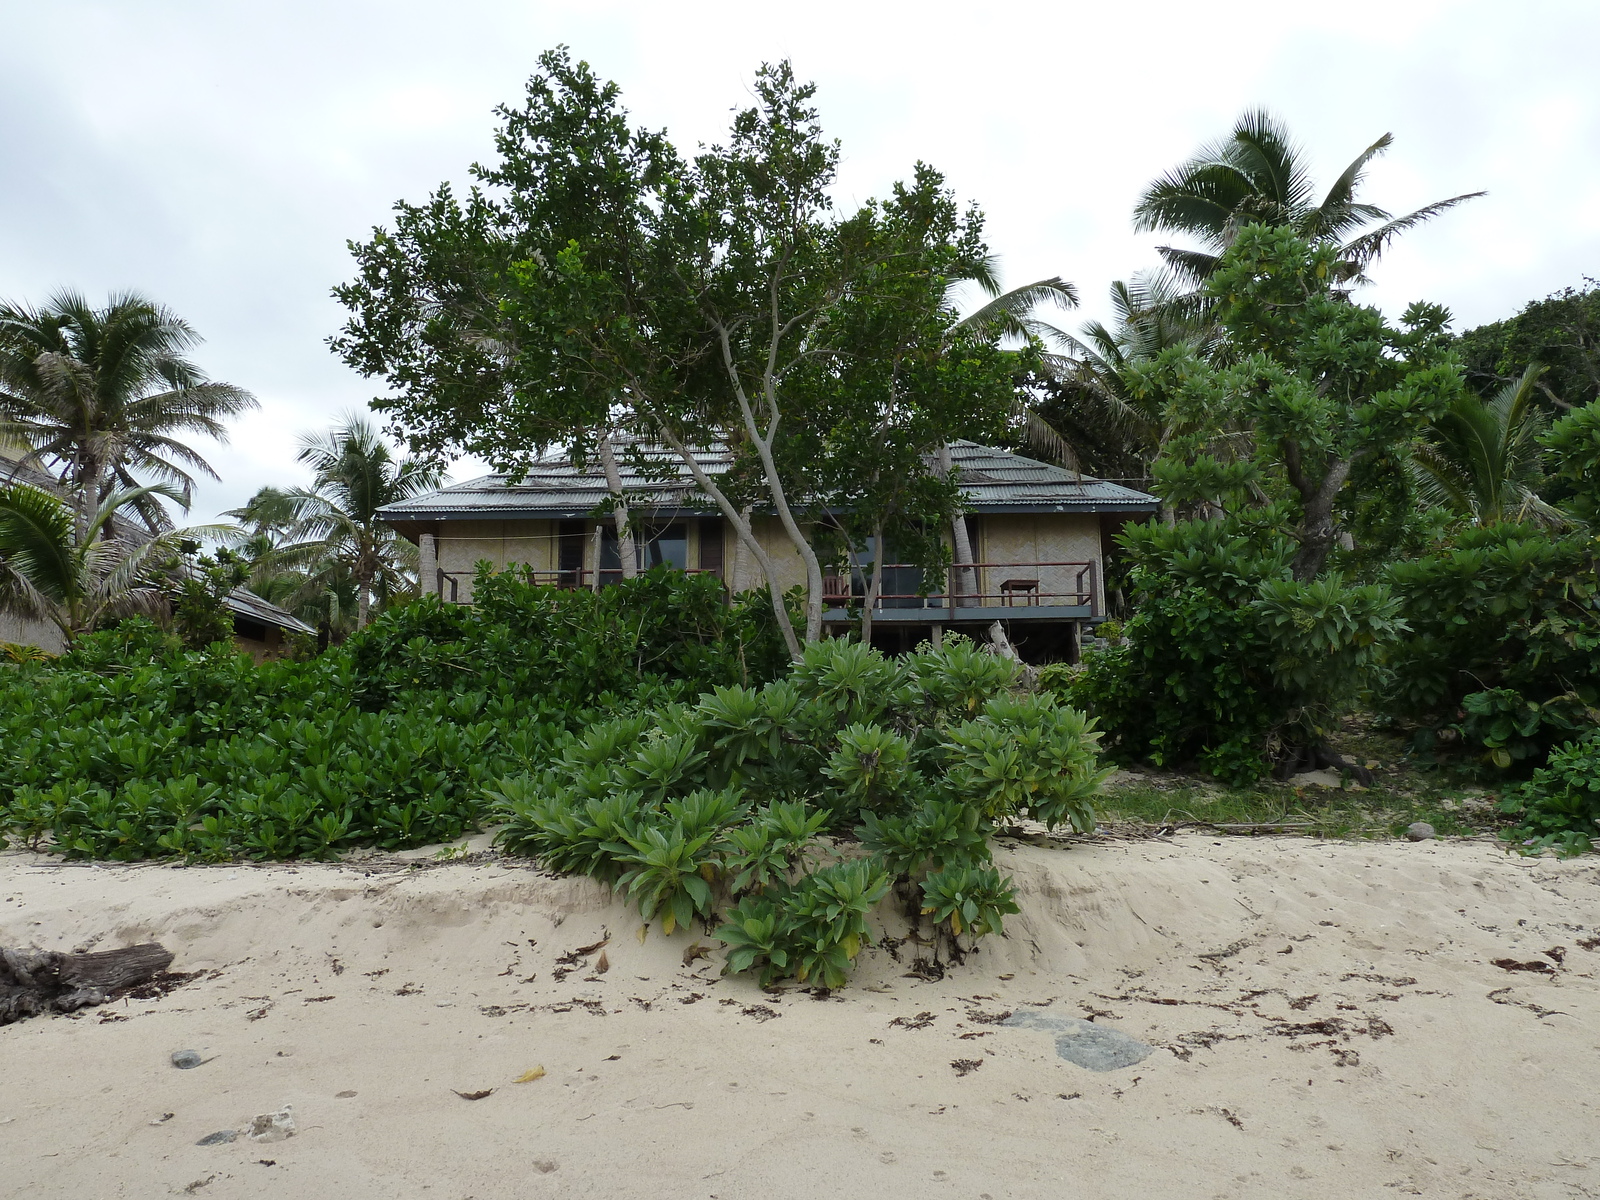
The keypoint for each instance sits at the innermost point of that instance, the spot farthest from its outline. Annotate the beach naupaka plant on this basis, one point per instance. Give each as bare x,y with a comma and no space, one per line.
721,808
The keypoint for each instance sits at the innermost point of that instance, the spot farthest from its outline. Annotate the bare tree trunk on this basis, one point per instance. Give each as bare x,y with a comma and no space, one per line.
597,543
619,511
769,471
740,520
1318,528
363,604
741,556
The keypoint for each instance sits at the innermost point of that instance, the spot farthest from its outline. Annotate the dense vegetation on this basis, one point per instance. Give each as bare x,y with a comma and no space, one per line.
696,810
132,747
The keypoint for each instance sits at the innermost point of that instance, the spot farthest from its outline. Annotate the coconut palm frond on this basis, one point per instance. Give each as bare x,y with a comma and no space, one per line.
1369,247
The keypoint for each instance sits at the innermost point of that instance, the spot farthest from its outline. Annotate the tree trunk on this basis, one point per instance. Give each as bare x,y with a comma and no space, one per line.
38,981
769,474
740,520
1318,529
963,580
597,543
741,557
619,512
874,584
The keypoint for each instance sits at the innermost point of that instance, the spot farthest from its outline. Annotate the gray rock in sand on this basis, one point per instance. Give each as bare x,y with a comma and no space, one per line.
186,1059
1085,1043
220,1138
1419,831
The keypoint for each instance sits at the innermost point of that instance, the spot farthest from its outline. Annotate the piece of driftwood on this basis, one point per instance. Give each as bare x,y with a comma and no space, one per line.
40,981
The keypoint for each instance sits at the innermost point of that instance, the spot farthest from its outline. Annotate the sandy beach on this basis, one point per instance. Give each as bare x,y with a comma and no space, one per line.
1324,1020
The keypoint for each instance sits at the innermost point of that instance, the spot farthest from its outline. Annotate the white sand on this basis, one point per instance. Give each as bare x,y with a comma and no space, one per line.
405,986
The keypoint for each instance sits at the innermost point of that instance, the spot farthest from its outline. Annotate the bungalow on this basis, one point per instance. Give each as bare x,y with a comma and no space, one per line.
1038,535
260,629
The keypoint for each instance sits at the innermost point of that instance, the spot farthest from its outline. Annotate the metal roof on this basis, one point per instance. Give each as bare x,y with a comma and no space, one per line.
242,602
992,480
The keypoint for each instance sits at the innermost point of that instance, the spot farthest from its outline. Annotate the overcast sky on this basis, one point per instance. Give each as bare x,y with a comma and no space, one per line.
217,155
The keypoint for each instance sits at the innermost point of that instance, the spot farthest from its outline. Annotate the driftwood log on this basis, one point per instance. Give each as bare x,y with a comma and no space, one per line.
40,981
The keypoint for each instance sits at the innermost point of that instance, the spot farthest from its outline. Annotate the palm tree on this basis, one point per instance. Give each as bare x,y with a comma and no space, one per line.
1013,313
321,596
336,533
1258,175
52,570
1483,460
99,396
1089,395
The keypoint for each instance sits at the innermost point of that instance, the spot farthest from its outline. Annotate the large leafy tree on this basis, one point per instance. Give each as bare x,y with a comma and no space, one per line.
106,397
595,280
77,576
1319,387
331,532
1257,175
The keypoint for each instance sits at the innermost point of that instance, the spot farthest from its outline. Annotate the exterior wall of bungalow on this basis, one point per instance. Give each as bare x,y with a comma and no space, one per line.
1015,542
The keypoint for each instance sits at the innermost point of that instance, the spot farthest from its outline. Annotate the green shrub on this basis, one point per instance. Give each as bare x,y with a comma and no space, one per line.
969,899
1503,643
718,801
1560,804
130,747
1227,660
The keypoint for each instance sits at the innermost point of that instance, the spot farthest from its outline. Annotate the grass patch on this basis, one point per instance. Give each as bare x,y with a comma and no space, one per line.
1317,812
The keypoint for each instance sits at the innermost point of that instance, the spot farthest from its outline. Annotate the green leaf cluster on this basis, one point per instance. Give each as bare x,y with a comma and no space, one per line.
1559,806
919,757
131,747
1227,659
1503,641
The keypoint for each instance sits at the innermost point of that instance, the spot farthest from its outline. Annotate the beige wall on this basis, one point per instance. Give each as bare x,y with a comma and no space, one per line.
1038,537
1024,539
1027,539
461,544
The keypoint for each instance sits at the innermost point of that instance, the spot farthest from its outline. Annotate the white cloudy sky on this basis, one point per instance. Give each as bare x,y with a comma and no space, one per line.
217,155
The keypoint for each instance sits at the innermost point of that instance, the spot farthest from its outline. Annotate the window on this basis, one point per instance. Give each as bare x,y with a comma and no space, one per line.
656,546
711,545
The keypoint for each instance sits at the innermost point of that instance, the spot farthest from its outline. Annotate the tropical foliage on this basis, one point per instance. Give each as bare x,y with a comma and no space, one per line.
131,747
330,534
80,576
104,397
1257,175
710,808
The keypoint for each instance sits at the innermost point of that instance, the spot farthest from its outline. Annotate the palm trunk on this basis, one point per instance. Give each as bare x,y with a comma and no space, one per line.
962,575
619,511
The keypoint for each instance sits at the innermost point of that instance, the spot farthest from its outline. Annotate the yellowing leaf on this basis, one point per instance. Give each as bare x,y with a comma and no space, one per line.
644,932
530,1076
